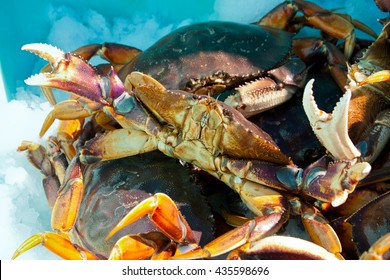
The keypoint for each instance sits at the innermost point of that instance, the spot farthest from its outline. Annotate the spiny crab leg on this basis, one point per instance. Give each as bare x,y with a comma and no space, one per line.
331,129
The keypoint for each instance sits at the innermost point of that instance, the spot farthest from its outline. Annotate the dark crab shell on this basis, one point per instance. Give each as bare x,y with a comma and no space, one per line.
113,188
231,52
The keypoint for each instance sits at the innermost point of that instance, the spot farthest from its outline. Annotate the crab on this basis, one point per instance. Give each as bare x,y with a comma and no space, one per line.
241,74
221,57
206,133
111,190
114,187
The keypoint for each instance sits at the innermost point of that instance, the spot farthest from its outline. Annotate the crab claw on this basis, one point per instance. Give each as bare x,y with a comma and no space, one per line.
72,73
331,129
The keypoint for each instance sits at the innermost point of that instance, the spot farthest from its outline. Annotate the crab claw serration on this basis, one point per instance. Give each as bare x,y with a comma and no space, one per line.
69,72
47,52
331,129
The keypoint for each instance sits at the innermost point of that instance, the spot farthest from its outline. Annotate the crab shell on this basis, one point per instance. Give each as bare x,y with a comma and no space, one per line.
236,49
215,57
199,107
113,188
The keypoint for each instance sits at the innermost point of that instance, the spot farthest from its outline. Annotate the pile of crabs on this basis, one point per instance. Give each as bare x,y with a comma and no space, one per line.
210,144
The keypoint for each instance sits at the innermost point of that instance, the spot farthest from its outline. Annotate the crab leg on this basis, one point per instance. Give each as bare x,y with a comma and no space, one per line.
66,207
67,72
306,48
152,245
280,16
253,230
116,54
331,23
68,132
52,176
281,248
64,201
164,214
66,110
360,25
272,210
340,178
72,115
56,243
70,72
117,144
380,76
318,228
